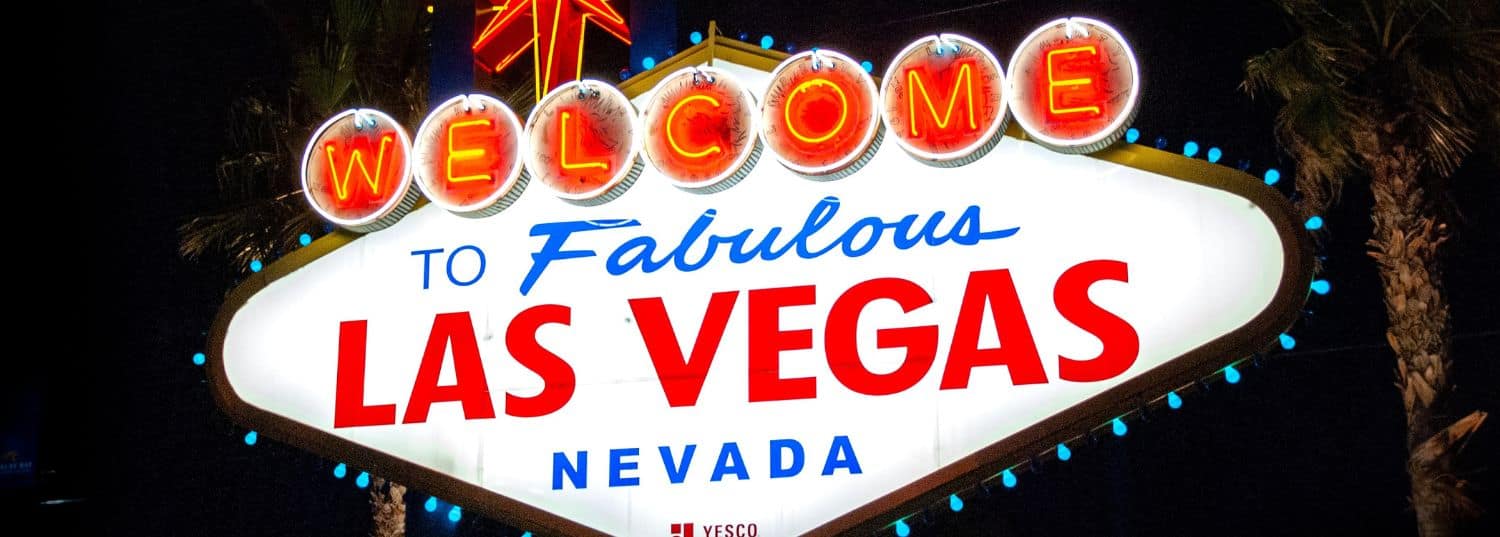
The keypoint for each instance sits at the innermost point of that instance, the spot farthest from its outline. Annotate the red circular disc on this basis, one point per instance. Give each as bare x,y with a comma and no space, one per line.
355,170
584,141
820,116
467,156
1074,85
943,100
700,129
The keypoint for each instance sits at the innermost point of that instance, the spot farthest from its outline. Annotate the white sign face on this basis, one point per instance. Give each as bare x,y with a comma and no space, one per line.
770,357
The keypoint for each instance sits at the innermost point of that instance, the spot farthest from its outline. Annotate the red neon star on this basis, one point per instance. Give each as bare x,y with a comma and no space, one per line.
555,35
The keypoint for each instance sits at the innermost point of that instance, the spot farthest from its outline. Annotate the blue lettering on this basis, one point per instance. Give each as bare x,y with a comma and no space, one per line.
477,275
730,451
841,455
577,474
618,464
427,264
556,233
860,238
777,447
676,473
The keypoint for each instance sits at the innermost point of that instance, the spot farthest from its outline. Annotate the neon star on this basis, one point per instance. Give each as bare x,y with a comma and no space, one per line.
554,35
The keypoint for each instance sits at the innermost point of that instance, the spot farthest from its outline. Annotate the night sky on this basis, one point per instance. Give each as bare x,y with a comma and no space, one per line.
1309,443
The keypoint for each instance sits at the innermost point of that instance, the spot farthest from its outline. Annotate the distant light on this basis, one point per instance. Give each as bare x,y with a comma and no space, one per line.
1214,154
1321,287
304,239
766,41
1231,375
869,67
902,530
695,37
199,358
1063,453
1174,401
431,504
1315,223
1161,142
251,437
671,52
1132,135
624,73
1008,479
1119,427
1244,165
1189,149
648,62
1272,176
455,514
744,36
790,47
341,470
256,265
955,503
429,8
527,534
363,480
1288,342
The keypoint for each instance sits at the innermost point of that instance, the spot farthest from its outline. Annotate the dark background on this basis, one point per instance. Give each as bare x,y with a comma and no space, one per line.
1310,443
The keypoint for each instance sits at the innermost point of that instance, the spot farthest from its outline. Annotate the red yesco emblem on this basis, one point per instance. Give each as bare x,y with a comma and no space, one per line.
552,29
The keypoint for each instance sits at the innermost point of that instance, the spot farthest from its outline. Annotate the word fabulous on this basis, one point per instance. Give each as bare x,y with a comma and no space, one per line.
1073,86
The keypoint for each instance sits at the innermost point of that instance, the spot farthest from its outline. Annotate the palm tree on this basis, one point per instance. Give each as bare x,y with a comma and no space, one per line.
1395,94
368,53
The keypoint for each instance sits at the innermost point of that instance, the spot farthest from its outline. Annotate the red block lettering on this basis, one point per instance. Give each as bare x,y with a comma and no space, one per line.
682,379
349,409
557,375
767,340
1017,349
455,330
1121,343
842,346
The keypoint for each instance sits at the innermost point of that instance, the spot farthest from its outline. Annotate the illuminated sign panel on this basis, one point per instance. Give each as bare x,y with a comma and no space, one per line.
585,142
943,100
785,356
355,168
468,156
1075,85
700,129
820,116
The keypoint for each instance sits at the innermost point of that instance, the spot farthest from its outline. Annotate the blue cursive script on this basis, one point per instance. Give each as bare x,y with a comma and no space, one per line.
808,242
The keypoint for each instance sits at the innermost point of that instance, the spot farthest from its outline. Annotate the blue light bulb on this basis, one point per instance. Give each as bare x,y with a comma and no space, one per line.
340,471
1272,176
1063,453
251,437
455,514
1119,427
1214,154
868,67
766,41
1190,148
695,37
1315,223
1321,287
304,239
1174,401
1288,342
1231,375
1008,479
256,265
363,480
199,358
902,530
955,503
648,62
1161,142
1132,135
431,504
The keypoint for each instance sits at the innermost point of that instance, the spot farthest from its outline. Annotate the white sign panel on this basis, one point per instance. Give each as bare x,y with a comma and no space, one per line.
769,357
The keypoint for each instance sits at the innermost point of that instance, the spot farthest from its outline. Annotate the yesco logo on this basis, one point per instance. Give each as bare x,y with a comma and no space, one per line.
685,529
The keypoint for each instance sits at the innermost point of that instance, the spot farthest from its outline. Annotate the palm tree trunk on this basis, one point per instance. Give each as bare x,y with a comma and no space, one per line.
387,509
1405,243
